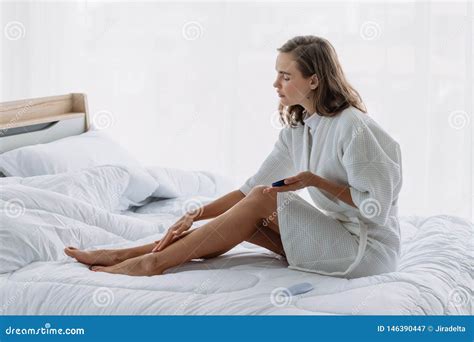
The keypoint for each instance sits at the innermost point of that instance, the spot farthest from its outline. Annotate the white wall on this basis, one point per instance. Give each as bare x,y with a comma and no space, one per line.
208,103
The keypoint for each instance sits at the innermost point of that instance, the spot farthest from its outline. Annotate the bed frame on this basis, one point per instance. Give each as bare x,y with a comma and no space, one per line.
42,120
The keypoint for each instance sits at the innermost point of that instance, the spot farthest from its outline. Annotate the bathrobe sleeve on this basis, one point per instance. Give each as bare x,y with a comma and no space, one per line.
372,160
276,166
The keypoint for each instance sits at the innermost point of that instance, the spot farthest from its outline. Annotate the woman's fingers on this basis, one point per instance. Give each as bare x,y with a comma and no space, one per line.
169,241
159,246
291,180
284,188
165,241
164,244
174,232
156,247
179,231
169,236
165,238
161,241
276,189
182,228
183,234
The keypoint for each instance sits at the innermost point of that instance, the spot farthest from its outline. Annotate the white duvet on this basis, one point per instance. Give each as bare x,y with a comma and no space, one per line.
36,277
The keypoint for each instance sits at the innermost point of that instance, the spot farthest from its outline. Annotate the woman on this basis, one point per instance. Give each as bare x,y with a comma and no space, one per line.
350,166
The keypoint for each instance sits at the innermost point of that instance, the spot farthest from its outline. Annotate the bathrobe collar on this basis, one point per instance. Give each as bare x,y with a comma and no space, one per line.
312,121
310,125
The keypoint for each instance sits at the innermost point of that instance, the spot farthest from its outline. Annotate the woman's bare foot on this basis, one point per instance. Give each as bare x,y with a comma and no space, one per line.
144,265
98,257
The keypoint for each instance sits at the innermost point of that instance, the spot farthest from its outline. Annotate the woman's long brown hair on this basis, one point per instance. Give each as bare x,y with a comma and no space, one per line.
315,55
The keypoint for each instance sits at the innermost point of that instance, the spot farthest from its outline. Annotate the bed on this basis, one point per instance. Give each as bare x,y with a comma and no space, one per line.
51,201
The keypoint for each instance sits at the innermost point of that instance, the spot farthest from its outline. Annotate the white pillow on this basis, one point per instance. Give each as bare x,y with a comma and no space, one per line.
101,186
78,152
177,182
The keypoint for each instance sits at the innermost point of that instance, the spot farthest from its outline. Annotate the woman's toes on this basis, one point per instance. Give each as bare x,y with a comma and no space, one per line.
70,251
96,268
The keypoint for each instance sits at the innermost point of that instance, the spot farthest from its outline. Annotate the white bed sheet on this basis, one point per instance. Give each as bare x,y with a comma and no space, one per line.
434,278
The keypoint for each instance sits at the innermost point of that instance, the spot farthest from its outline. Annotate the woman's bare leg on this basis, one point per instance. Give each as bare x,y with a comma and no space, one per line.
263,237
108,257
222,233
266,235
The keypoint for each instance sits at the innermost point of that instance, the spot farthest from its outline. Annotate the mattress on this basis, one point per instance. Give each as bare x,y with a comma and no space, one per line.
434,278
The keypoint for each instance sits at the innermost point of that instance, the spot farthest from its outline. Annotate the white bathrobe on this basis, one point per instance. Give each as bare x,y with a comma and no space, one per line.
336,238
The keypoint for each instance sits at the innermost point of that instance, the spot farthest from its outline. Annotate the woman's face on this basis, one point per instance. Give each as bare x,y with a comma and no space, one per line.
291,86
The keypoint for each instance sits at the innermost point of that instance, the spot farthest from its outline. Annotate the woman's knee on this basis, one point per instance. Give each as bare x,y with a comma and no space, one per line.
260,198
255,198
265,205
256,192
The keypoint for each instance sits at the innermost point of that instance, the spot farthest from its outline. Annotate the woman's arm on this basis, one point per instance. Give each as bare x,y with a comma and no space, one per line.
211,210
219,206
340,191
307,178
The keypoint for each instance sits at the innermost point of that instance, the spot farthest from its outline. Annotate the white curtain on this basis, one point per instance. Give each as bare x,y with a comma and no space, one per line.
190,84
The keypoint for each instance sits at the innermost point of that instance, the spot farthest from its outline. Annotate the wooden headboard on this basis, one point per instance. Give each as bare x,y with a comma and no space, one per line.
42,120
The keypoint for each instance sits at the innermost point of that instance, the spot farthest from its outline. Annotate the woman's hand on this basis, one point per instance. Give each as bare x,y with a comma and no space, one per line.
300,181
175,232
